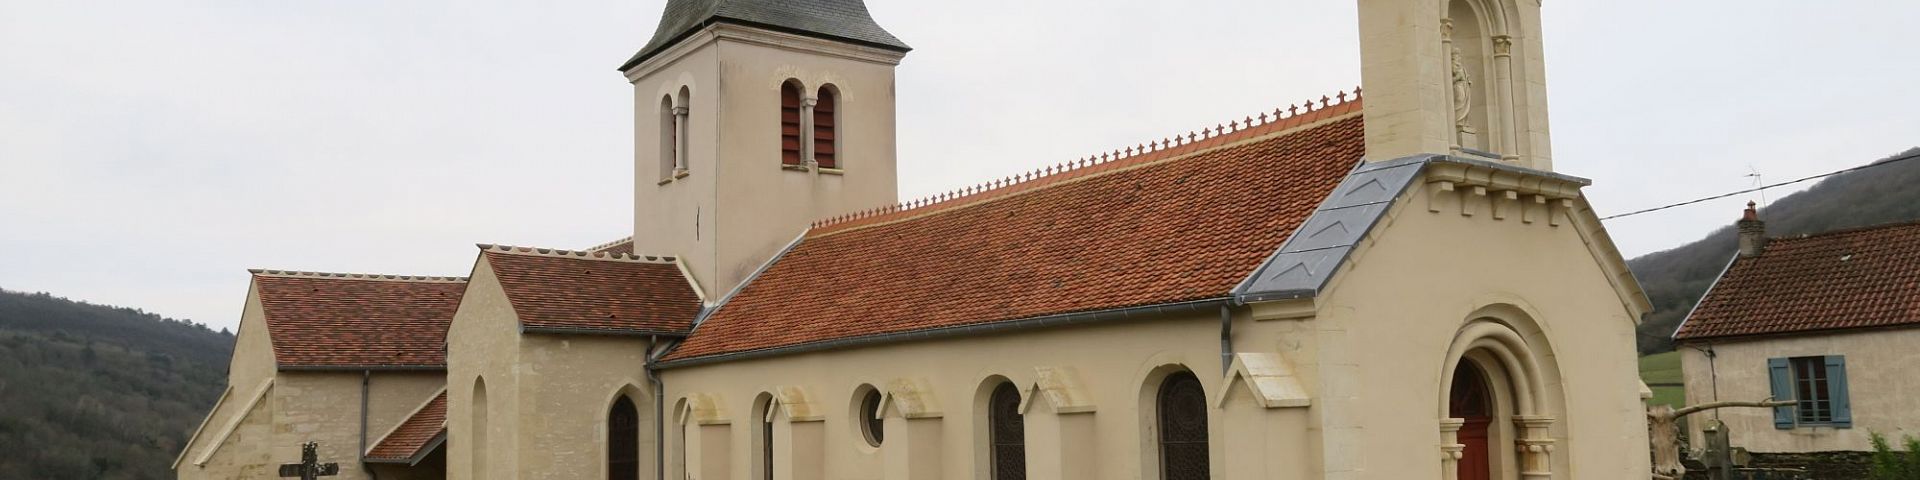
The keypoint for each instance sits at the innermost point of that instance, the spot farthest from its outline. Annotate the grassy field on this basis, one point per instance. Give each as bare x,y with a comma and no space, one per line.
1664,368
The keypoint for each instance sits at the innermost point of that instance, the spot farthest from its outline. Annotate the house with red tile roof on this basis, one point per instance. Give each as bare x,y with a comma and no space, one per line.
1395,285
1828,321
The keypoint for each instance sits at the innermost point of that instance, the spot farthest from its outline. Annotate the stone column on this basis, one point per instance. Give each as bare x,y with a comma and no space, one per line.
1451,450
1503,97
806,132
680,140
713,455
1060,444
1535,446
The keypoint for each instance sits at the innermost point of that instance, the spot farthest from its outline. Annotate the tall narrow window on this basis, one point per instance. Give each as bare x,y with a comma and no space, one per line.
1008,433
479,454
669,140
623,441
825,129
1183,428
790,123
763,432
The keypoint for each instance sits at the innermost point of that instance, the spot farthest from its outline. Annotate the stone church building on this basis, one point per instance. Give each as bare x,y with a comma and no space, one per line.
1398,286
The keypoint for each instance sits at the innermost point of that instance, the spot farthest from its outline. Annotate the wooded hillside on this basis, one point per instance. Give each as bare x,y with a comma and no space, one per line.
90,391
1676,278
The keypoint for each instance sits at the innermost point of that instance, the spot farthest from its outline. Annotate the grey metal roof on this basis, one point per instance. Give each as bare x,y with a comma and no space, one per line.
1304,264
844,20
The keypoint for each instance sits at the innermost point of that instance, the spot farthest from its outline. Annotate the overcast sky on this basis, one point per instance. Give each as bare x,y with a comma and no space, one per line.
151,151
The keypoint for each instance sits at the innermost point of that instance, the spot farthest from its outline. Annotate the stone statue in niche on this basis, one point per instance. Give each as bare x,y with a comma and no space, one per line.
1462,98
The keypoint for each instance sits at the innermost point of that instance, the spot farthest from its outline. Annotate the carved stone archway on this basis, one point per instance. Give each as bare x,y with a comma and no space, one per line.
1499,350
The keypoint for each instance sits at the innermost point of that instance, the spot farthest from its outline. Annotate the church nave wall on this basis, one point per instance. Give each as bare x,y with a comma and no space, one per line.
1087,394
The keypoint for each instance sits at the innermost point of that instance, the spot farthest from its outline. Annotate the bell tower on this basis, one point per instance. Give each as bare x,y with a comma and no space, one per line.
752,120
1464,77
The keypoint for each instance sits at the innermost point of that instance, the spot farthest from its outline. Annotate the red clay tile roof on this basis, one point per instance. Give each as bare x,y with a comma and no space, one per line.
320,320
583,292
624,245
1186,225
407,441
1859,278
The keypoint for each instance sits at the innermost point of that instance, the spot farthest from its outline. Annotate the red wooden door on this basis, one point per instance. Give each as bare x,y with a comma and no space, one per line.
1470,401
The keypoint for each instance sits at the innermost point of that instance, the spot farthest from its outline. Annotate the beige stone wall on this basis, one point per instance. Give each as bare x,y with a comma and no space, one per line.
1118,365
1375,351
482,344
250,369
548,395
567,384
737,206
1880,373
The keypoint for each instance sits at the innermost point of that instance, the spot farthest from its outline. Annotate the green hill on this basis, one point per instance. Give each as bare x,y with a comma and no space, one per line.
1674,279
92,391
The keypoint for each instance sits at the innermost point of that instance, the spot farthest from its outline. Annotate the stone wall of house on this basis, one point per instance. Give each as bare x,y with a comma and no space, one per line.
1879,376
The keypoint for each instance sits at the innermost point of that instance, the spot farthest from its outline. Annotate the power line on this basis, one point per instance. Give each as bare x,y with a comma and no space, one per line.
1891,161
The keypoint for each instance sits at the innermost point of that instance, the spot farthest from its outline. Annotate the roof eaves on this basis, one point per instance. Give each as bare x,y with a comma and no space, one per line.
358,368
613,332
1046,321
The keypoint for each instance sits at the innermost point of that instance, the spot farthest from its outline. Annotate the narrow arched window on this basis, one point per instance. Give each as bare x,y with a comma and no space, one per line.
1183,428
669,138
1008,433
825,129
790,123
623,441
763,431
478,422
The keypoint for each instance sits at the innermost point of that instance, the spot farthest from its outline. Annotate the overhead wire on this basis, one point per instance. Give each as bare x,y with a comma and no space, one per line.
1882,163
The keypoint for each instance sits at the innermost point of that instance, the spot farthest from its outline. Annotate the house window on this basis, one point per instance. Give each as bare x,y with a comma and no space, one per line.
1818,388
824,128
873,428
1008,433
790,124
1183,428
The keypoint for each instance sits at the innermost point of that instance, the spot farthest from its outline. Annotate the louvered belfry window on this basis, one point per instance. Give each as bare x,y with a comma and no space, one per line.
824,130
790,124
1183,428
1008,432
623,441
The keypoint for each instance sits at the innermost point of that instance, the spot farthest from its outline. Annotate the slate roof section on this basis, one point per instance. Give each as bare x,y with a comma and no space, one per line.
560,291
1858,278
345,321
1179,229
414,438
844,20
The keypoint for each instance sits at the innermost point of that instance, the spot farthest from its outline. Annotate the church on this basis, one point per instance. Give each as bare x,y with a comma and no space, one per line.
1387,283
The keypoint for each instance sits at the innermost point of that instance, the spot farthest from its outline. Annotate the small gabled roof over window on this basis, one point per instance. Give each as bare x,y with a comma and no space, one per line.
1858,278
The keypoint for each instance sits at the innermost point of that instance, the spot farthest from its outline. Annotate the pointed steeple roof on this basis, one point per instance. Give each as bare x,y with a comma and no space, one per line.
843,20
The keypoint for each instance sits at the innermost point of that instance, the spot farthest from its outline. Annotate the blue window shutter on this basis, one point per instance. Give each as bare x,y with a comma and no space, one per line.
1781,375
1837,391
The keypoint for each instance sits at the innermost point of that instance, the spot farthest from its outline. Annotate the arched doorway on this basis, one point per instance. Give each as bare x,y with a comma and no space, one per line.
1472,402
623,440
1182,406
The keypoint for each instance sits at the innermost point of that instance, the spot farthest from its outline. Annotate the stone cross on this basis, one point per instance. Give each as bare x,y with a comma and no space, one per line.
309,467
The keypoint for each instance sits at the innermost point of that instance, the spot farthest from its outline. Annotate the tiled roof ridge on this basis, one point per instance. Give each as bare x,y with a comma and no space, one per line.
611,244
576,254
354,276
1848,230
1281,120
